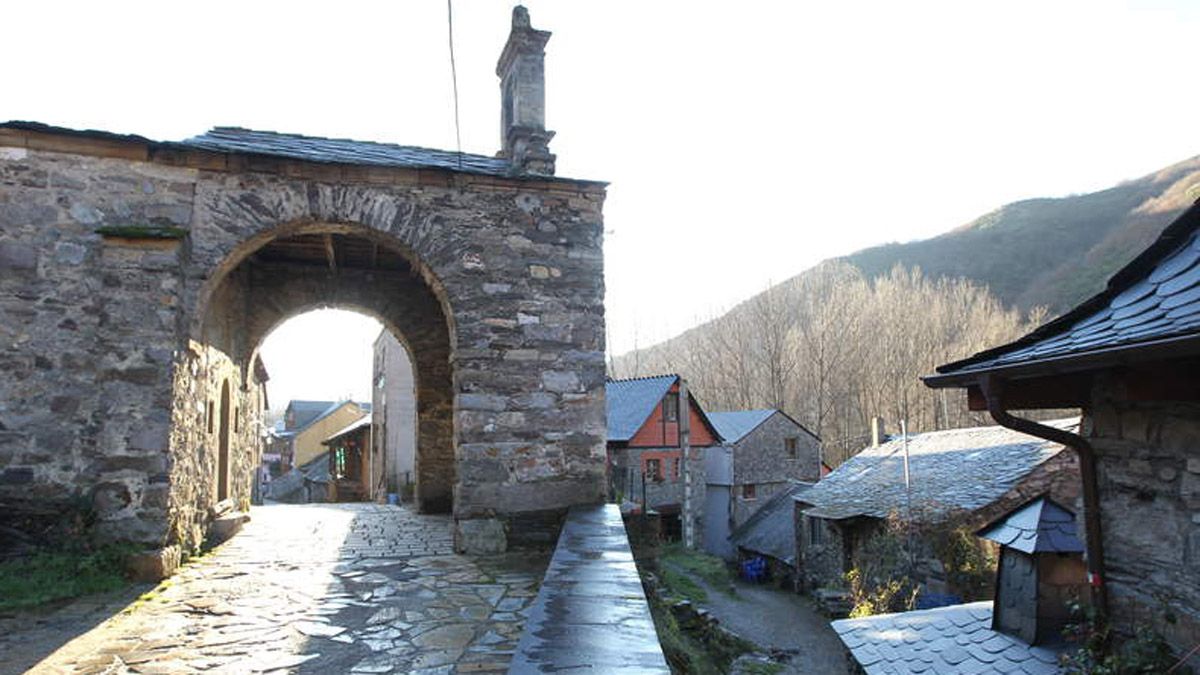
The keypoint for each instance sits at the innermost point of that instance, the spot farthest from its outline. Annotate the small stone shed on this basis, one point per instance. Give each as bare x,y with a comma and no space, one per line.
1130,358
138,279
966,476
771,533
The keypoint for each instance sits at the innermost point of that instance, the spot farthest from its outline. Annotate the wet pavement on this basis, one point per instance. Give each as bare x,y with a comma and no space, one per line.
591,613
319,588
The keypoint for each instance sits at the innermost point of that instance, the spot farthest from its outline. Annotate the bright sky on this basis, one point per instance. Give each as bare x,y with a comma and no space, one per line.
744,141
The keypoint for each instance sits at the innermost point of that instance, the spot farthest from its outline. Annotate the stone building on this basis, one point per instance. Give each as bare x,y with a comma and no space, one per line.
308,423
139,278
966,477
394,401
645,452
768,450
1130,358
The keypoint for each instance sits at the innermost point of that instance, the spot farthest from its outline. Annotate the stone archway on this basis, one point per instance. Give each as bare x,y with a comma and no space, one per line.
168,269
349,267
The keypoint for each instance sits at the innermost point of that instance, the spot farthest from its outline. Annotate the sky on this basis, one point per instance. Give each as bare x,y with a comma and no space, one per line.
744,142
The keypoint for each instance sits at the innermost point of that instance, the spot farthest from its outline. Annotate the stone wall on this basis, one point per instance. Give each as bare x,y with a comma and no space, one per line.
1149,474
761,458
109,341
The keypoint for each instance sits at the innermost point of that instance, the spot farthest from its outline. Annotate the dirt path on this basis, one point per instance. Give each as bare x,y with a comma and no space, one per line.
776,619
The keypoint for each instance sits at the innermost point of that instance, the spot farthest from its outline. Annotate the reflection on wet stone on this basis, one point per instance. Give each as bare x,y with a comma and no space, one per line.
324,588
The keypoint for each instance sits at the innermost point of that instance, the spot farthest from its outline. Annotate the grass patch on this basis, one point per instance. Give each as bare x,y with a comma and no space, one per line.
681,585
708,567
57,575
692,651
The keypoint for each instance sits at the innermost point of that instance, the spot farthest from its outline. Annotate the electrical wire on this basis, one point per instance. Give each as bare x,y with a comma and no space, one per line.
454,81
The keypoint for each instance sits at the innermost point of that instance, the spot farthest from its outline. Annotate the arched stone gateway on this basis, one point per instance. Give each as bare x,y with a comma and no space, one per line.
137,278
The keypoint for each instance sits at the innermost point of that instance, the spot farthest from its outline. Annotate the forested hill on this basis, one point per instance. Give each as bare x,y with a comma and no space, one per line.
812,345
1051,252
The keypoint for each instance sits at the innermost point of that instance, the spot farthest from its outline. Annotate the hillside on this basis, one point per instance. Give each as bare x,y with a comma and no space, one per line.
813,345
1056,252
1051,252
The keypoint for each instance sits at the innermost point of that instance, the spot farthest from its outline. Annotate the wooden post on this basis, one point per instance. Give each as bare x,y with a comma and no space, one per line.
689,536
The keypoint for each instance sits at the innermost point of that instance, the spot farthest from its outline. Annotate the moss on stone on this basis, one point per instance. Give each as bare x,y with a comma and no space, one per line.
142,231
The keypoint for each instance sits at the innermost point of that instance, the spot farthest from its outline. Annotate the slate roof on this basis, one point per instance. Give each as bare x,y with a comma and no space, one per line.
306,148
957,639
308,413
949,470
733,426
357,424
1153,300
630,402
343,151
771,529
1040,526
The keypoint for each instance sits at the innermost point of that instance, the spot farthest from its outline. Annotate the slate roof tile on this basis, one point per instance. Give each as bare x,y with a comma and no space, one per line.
964,643
771,530
1042,525
734,425
950,470
630,402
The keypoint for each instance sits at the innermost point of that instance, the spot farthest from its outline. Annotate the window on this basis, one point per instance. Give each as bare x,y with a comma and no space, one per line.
748,492
211,413
653,469
671,408
816,531
675,468
791,445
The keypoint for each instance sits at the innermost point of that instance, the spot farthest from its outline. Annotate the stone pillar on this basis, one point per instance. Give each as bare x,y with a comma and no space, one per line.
523,136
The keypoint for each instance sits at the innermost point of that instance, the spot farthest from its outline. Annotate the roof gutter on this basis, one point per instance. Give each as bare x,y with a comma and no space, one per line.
992,387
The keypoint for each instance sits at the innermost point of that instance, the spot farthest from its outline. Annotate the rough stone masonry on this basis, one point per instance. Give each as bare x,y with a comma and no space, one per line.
138,278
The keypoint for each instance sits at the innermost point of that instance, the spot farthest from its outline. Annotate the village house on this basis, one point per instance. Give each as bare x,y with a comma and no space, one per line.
1040,572
1130,358
351,477
956,477
644,444
394,406
300,444
766,450
306,424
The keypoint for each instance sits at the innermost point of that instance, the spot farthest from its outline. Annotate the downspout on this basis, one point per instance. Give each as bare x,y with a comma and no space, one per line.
993,388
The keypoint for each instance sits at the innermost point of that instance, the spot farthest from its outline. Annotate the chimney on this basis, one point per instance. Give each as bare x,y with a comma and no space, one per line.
523,136
878,435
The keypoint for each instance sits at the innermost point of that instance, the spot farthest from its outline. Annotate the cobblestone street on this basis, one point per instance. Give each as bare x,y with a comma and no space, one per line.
331,588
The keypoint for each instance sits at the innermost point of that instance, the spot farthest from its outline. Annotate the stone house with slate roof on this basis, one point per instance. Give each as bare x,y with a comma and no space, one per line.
1130,358
138,279
644,452
768,450
966,474
770,532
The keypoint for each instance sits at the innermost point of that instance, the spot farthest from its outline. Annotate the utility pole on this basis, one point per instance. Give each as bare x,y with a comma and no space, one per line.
689,536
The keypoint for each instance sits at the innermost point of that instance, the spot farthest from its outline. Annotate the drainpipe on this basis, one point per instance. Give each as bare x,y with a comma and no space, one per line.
993,388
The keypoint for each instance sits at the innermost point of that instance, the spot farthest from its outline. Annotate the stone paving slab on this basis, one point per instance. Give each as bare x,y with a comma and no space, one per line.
322,588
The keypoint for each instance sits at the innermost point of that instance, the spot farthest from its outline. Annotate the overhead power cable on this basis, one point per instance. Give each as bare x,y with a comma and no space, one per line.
454,81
